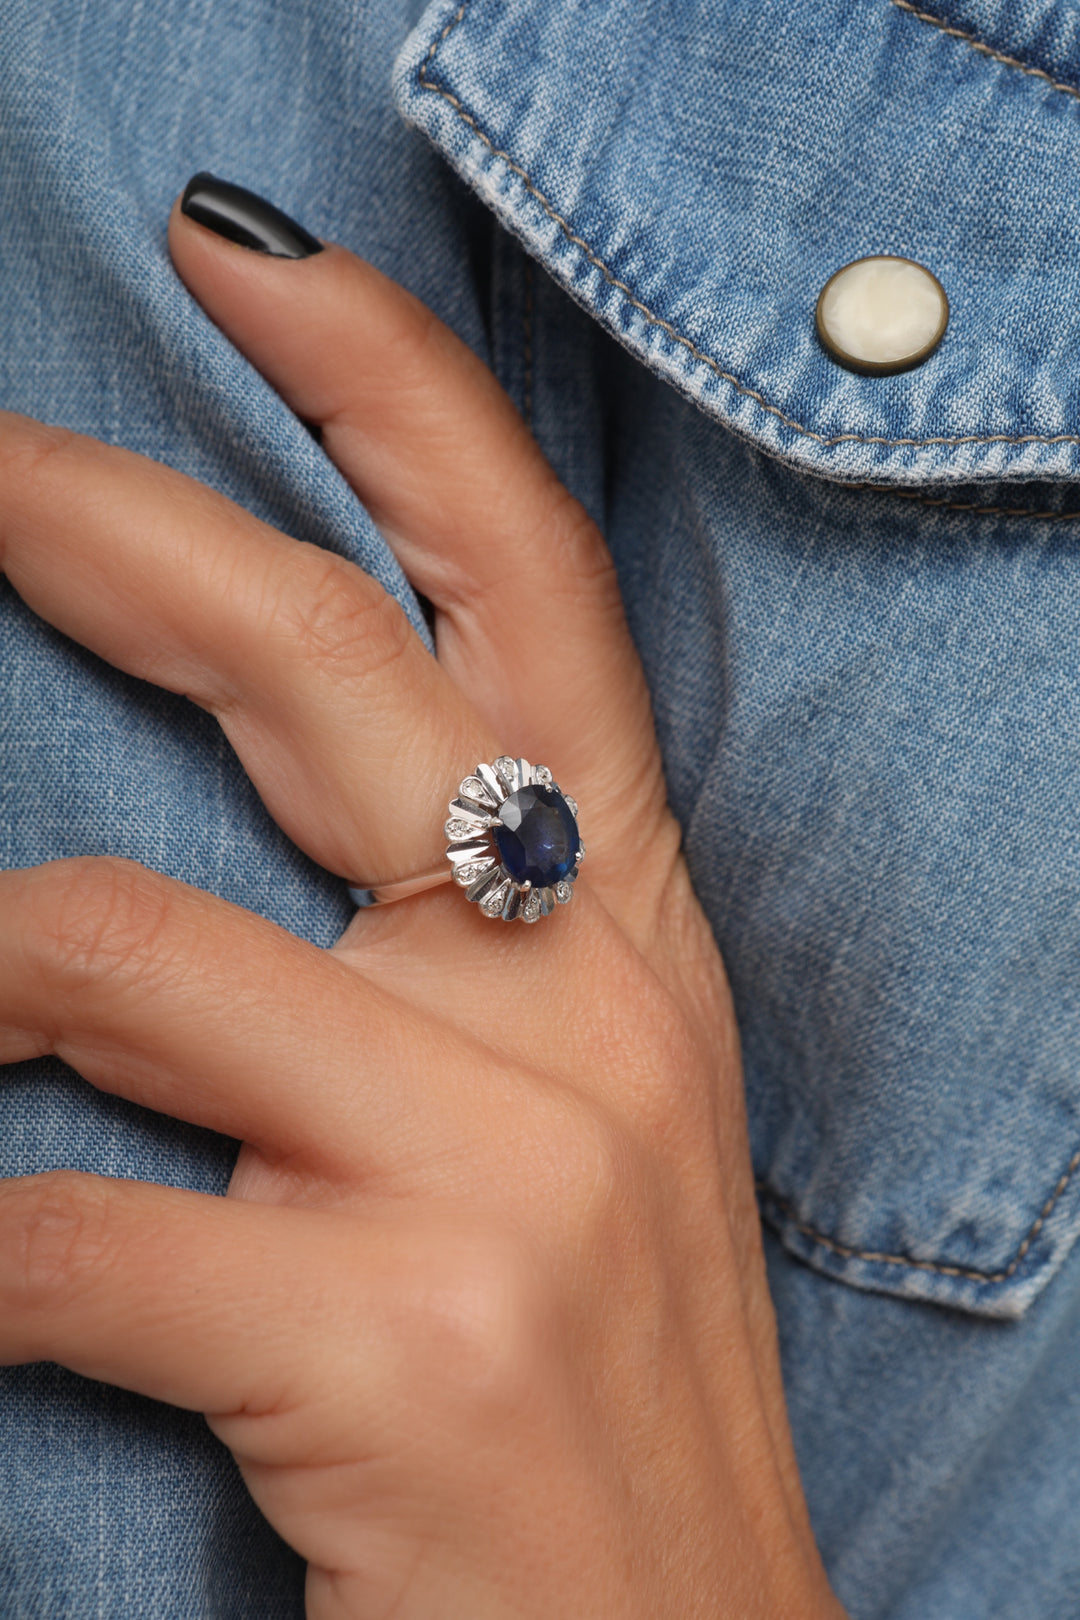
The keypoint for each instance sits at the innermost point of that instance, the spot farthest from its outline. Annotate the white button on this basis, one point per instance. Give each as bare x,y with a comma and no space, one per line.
882,314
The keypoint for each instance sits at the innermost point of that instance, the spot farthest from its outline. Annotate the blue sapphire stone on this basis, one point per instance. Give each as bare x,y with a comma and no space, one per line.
537,837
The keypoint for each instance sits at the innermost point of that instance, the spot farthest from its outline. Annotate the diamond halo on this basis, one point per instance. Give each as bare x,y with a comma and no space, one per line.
514,845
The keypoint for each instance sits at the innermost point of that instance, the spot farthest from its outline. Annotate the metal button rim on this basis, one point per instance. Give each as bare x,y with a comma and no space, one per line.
881,368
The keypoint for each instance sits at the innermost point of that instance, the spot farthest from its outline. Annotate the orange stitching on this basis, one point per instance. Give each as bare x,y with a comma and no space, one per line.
666,326
847,1253
985,50
430,57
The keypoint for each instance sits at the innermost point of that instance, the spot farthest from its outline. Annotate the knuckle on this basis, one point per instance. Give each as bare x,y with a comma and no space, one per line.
91,919
577,557
578,541
476,1317
561,553
671,1110
37,453
606,1227
657,1055
672,1094
341,623
602,1167
56,1236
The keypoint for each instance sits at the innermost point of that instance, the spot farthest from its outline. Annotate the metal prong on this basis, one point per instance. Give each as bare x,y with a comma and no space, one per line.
491,781
513,903
465,854
464,810
480,885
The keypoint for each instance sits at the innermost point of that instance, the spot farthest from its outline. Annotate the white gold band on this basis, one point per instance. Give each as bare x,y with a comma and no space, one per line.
384,893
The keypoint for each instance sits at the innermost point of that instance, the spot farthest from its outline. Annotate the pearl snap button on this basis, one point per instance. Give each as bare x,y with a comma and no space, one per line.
882,314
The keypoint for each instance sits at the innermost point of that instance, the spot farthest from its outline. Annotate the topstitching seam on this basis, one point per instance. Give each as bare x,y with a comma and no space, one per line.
827,442
848,1253
987,50
962,506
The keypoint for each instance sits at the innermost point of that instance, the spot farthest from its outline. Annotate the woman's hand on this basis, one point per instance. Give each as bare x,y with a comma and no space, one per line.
484,1318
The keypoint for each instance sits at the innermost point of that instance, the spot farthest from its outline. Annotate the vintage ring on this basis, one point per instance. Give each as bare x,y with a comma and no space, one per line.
514,845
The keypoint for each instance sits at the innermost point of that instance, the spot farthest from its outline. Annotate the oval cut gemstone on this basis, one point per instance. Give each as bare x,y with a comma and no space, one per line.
537,837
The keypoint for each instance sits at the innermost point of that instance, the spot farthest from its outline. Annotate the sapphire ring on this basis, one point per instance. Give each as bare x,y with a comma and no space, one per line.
514,845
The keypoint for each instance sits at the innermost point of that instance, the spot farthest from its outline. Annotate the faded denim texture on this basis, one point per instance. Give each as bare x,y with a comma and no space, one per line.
867,697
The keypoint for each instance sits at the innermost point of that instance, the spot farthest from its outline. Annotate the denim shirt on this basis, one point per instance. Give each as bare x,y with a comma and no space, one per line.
855,597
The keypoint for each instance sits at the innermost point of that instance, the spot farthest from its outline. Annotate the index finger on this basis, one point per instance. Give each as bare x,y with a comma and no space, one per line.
350,731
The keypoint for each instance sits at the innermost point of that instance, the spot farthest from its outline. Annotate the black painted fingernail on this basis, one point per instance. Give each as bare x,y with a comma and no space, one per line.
244,217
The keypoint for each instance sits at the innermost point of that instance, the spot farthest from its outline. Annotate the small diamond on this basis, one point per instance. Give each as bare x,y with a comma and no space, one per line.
469,873
478,850
464,810
530,911
573,805
489,878
491,905
457,830
542,775
564,893
473,788
488,775
504,770
513,902
581,852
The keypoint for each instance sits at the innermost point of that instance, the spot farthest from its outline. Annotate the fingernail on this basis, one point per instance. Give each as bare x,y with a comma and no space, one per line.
244,217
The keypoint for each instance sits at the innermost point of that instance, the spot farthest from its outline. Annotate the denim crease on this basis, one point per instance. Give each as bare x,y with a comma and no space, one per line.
864,671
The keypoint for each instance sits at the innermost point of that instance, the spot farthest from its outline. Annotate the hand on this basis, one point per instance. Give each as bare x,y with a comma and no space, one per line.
484,1318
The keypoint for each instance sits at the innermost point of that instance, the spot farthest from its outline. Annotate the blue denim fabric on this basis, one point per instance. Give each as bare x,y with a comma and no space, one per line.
866,697
110,1506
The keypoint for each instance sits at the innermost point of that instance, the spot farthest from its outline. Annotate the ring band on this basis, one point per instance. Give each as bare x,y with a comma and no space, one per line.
514,845
384,893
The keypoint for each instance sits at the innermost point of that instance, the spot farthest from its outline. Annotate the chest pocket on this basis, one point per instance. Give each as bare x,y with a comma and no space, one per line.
878,768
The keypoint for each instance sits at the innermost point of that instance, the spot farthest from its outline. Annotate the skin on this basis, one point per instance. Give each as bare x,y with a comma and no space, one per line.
483,1318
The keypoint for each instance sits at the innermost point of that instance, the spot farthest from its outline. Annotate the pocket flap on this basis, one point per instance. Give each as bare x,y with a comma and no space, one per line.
694,173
